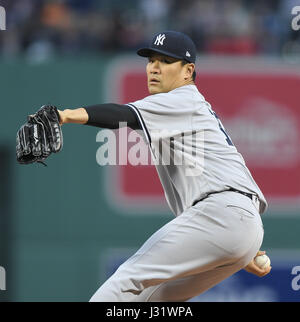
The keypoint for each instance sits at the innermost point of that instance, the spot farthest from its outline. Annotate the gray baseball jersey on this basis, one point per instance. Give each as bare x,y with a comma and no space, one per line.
193,154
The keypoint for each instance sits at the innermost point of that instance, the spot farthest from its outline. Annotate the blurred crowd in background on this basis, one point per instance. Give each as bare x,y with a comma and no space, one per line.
42,28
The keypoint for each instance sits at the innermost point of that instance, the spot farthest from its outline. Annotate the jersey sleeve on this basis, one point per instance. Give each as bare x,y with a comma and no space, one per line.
163,113
111,115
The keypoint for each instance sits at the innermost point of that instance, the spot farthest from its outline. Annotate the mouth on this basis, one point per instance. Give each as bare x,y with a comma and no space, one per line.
153,81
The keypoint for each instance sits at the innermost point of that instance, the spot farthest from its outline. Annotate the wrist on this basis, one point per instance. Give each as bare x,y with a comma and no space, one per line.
63,115
78,116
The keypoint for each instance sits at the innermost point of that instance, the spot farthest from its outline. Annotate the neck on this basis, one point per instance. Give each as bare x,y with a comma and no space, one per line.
188,82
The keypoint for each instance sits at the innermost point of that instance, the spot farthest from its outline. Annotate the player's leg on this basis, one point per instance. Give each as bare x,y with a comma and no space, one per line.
206,237
183,289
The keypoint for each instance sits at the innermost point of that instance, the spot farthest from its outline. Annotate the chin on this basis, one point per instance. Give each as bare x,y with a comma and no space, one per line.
154,90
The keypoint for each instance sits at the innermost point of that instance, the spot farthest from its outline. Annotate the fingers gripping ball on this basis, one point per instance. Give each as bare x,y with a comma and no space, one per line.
40,136
262,261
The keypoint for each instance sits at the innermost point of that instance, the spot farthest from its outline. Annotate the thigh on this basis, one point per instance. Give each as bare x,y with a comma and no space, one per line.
202,239
191,243
184,289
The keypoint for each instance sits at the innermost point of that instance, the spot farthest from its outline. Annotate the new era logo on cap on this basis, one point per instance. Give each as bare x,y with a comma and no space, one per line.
171,43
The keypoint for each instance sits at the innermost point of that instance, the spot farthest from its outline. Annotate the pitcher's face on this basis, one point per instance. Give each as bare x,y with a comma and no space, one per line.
165,73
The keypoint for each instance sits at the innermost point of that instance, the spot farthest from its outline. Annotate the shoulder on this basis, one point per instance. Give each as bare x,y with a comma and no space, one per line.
181,97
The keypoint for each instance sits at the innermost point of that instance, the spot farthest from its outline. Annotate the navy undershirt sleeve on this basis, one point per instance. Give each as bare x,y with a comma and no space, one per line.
110,115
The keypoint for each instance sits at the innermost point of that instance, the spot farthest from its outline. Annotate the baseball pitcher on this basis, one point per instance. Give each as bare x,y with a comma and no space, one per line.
217,228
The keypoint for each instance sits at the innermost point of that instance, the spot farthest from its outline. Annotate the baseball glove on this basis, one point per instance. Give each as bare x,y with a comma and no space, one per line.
40,136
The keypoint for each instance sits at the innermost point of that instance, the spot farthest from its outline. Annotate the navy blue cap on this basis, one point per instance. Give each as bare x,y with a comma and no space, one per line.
171,43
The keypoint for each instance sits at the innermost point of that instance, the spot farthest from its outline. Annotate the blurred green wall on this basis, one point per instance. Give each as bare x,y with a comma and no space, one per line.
61,222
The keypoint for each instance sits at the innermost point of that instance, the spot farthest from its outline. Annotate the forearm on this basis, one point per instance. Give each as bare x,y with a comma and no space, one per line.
78,115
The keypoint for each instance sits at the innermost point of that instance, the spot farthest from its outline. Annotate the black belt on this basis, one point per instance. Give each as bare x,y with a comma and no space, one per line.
249,195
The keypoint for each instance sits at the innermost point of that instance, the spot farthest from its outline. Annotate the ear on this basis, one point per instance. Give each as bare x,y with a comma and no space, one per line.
189,70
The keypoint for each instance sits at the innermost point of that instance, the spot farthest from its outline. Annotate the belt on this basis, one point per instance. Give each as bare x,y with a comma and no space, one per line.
251,196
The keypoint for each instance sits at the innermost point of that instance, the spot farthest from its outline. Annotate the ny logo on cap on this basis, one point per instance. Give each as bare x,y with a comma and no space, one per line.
160,39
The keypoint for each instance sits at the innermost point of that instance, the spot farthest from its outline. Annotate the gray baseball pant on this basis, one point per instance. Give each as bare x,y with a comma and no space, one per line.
195,251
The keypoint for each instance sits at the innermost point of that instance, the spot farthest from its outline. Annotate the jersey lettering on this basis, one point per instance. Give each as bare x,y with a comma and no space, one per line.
228,139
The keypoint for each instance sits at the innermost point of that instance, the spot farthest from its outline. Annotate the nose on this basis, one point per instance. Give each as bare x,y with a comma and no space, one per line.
154,67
